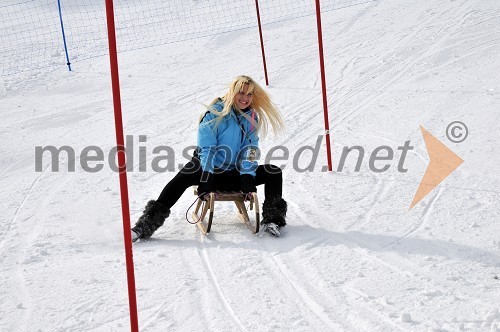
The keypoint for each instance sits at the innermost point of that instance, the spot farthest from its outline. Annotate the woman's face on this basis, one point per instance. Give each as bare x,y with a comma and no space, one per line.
243,99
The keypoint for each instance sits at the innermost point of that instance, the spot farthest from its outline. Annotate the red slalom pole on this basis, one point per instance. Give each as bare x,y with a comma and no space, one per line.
115,82
323,85
261,41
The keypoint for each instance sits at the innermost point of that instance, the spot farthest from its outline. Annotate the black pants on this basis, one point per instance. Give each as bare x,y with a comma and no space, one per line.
190,175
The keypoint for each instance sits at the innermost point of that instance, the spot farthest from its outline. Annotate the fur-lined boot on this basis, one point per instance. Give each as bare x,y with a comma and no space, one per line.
153,217
274,213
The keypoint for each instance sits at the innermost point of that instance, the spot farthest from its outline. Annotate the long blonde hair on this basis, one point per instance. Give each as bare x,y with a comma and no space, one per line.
267,112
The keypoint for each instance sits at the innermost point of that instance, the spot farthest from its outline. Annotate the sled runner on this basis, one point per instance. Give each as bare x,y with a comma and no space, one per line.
202,207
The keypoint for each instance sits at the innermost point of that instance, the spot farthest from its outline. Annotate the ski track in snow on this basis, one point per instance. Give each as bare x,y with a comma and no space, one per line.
13,220
316,309
390,262
422,220
15,250
216,285
342,293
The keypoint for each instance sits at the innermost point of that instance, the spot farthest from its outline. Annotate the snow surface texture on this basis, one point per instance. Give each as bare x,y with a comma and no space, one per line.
353,257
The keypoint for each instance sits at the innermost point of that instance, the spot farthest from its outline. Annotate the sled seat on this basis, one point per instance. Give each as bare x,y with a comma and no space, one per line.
239,200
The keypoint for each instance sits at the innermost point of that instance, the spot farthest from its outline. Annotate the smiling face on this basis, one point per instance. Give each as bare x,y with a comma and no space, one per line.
243,99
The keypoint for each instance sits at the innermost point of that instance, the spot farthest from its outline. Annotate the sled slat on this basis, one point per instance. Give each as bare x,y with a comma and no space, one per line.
239,200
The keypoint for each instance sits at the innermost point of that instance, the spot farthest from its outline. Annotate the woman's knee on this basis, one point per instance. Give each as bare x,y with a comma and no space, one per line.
269,171
274,170
189,175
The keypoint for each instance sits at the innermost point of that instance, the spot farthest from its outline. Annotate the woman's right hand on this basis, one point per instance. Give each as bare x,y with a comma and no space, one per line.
207,184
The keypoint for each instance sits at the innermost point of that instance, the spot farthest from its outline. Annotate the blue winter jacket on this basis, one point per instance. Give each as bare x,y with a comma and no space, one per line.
232,144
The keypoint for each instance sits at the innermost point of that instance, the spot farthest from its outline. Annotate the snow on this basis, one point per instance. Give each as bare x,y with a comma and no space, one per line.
353,257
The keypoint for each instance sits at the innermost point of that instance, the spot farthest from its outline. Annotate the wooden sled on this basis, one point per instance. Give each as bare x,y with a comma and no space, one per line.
238,198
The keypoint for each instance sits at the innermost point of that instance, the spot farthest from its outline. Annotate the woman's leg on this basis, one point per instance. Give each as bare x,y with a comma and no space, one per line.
271,177
156,212
188,176
274,207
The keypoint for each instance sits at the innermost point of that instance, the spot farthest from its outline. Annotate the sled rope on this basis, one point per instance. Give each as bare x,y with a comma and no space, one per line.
203,206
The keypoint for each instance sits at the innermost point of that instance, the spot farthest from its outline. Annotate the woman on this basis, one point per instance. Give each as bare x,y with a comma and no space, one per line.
225,160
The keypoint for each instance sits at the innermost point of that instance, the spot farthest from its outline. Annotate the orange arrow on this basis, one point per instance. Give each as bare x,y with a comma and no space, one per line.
442,163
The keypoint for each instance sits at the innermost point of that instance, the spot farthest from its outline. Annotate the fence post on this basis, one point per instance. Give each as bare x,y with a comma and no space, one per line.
261,41
323,85
63,35
122,166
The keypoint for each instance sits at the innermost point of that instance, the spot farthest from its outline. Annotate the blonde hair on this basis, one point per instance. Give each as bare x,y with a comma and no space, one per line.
267,112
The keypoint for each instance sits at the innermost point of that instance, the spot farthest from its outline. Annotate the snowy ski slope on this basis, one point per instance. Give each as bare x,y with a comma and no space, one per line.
353,257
